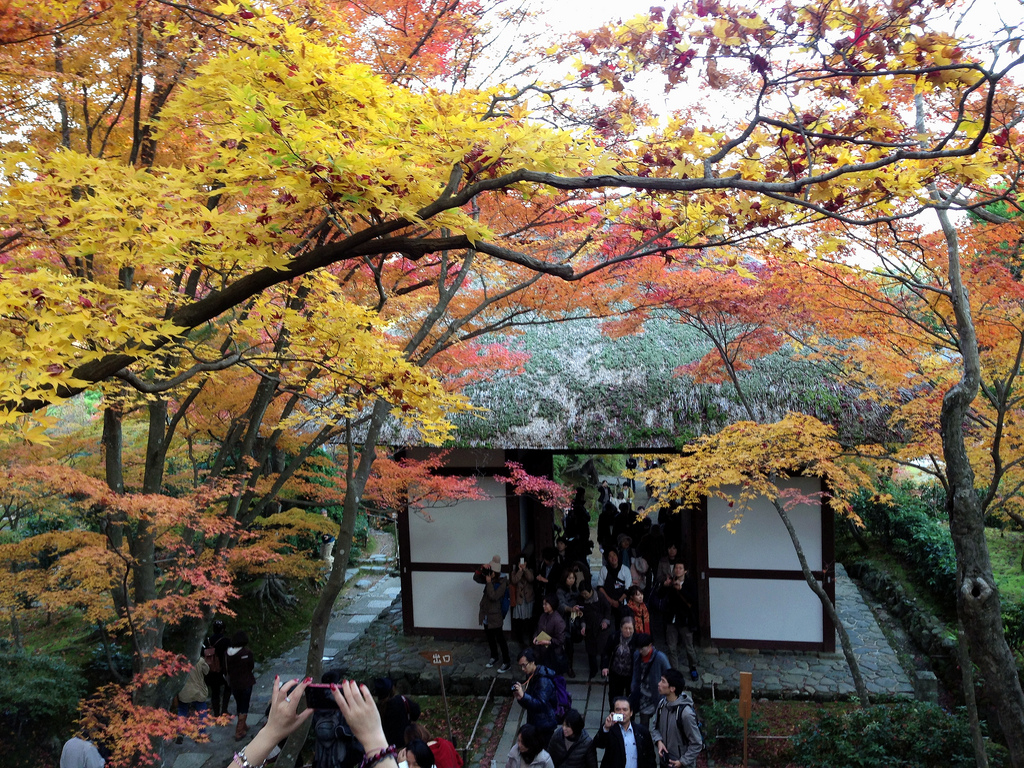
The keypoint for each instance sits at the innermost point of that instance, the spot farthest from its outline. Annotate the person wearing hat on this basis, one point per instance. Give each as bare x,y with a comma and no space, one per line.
491,615
649,664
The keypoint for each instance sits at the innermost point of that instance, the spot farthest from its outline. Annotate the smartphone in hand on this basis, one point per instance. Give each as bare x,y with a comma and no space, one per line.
319,696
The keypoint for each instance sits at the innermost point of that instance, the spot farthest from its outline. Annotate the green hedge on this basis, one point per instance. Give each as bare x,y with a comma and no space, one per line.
907,735
912,527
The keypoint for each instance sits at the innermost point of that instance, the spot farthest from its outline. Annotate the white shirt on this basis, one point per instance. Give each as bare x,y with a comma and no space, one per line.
629,741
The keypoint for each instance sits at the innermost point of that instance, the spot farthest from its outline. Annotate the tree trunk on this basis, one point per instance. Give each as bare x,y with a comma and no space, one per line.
967,675
355,483
978,605
826,604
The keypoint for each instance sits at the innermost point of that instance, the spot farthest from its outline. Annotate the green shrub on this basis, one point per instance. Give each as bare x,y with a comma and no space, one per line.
911,527
40,693
722,721
360,537
906,735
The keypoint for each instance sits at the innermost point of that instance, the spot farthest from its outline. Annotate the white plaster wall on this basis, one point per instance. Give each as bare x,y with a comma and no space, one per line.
761,540
764,609
466,532
447,600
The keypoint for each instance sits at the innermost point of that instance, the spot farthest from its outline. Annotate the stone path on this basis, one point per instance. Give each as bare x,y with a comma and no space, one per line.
362,601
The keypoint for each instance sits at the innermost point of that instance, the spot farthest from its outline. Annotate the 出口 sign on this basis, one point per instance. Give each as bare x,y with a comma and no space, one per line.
438,658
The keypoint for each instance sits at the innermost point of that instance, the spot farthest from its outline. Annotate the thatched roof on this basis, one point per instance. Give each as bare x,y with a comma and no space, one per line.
584,391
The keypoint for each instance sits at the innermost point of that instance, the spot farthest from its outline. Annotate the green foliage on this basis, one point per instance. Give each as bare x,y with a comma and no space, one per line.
909,526
360,539
905,735
97,670
92,398
1005,548
722,721
38,691
1013,626
270,638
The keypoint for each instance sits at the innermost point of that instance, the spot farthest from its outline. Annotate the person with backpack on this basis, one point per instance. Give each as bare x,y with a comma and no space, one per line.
675,730
537,694
193,695
334,744
493,607
571,746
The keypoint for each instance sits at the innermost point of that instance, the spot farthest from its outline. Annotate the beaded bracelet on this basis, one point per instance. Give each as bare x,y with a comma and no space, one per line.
244,761
371,760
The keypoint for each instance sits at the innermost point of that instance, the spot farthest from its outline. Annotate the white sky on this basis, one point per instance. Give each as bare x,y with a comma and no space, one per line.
979,17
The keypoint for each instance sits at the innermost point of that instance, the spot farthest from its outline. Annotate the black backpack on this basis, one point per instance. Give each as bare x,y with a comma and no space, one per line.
679,722
335,745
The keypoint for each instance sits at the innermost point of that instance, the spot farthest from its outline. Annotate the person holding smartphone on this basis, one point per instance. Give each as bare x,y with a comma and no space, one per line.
335,746
353,700
490,615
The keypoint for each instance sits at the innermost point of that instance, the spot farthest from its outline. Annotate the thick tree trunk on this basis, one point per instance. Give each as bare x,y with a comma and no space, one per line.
978,605
826,604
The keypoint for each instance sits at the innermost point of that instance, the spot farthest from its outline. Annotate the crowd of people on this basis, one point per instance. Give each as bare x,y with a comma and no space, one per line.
670,738
562,611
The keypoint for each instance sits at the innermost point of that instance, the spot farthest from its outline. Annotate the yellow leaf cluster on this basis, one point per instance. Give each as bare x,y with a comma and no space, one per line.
752,457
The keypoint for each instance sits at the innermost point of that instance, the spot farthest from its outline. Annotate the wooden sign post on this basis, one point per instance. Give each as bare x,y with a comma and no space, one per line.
442,659
746,687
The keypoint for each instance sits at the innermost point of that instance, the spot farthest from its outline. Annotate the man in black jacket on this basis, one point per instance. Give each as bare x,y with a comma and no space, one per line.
626,744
